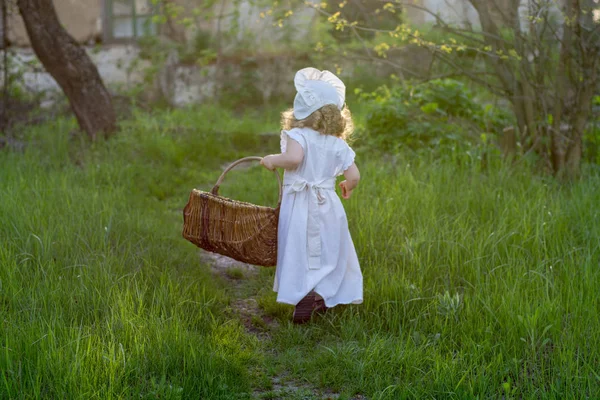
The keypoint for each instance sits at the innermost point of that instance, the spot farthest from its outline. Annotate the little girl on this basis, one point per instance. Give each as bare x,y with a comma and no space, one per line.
317,266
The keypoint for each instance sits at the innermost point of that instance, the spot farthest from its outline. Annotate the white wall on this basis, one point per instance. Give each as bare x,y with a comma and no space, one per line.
462,12
459,12
118,65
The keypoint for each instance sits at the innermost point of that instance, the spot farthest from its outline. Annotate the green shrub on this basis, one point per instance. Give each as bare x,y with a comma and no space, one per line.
439,114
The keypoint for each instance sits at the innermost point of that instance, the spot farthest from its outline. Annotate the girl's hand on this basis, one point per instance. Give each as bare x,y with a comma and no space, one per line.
268,163
346,193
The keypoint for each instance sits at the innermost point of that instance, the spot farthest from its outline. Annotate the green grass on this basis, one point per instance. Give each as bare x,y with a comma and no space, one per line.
100,296
478,283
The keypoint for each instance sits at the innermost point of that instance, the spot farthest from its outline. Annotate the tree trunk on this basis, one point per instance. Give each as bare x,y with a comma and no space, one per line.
572,167
576,82
567,138
70,66
567,150
562,97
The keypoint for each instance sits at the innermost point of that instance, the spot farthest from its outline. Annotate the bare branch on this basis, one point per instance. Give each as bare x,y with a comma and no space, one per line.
498,90
371,57
461,73
362,8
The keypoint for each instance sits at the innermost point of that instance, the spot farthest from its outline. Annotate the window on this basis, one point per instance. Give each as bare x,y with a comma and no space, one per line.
128,19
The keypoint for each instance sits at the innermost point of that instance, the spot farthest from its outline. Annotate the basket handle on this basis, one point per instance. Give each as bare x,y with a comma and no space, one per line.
215,189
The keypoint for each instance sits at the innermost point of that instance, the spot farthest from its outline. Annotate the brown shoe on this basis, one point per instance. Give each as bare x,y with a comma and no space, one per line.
304,309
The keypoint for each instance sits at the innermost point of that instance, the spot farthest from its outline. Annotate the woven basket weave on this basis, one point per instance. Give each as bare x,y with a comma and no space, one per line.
236,229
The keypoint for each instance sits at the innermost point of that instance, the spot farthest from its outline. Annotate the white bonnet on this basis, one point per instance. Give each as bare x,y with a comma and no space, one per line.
316,89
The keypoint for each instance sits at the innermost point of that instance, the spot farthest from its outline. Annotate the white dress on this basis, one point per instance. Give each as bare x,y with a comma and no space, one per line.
315,250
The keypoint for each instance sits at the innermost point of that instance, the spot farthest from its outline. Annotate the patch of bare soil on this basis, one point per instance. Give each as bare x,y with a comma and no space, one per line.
257,323
245,308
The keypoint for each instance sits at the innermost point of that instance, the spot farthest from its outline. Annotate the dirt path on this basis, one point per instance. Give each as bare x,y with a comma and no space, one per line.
245,306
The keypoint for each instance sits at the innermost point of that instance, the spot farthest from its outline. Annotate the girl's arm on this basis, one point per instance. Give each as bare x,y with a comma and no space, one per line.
293,156
352,176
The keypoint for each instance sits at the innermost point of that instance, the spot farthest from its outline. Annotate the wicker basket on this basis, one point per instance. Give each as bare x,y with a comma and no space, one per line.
236,229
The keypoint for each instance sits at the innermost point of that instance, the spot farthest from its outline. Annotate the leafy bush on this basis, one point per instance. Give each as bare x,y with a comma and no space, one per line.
437,114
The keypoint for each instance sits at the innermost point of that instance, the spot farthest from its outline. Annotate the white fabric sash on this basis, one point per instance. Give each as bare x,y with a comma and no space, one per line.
315,198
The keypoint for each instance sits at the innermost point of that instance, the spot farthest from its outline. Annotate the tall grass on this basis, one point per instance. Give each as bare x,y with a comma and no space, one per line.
100,297
479,283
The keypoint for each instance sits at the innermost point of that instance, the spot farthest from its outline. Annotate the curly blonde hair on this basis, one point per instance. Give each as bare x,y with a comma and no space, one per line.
327,120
